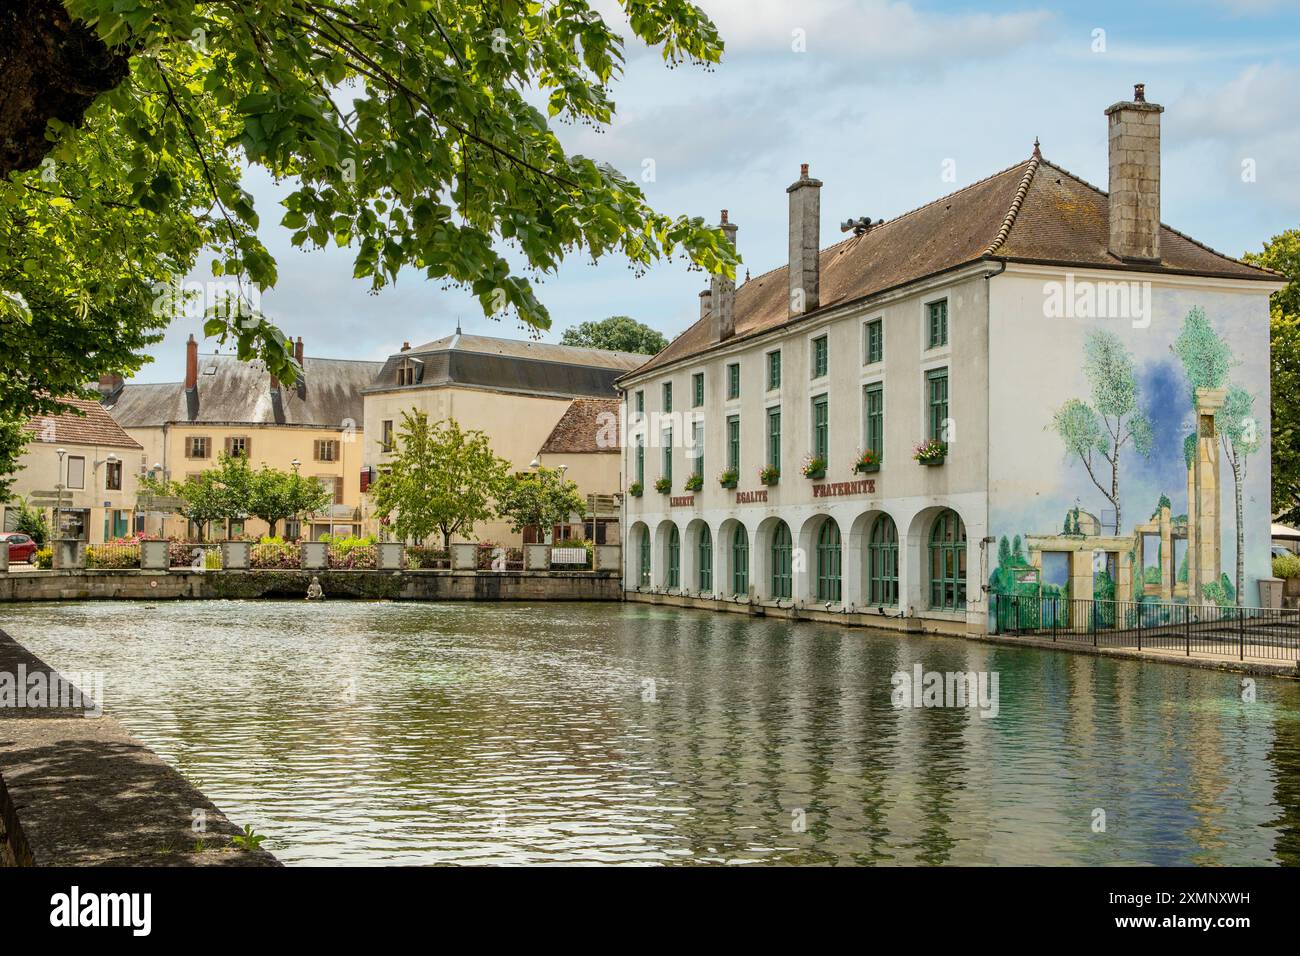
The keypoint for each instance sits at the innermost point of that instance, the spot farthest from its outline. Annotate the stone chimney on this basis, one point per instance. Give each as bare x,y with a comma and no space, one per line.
297,350
1135,178
191,364
706,302
805,230
110,385
722,293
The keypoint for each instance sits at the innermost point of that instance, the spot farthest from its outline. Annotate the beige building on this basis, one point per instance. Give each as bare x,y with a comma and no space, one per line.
81,468
552,405
236,407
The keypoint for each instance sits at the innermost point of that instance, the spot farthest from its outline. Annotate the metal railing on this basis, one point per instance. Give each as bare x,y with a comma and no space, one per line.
1241,632
113,555
194,555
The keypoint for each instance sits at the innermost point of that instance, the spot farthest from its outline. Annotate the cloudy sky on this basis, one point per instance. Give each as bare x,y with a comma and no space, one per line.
880,98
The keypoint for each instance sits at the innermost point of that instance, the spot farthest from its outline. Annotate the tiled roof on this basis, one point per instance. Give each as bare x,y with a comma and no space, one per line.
237,392
579,428
1034,211
93,426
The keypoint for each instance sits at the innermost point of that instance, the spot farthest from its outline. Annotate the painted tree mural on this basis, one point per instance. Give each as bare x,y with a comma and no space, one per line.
1098,432
1207,360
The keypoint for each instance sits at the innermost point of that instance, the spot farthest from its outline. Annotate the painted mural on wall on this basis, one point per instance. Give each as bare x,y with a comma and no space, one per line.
1149,482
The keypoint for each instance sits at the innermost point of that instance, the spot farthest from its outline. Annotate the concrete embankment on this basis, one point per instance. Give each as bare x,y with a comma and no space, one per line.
78,790
392,585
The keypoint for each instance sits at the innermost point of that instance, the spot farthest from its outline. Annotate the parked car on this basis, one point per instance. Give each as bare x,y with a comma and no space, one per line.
1281,552
21,547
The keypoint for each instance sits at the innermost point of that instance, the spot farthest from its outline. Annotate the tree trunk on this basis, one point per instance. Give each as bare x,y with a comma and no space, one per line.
1238,467
270,525
53,68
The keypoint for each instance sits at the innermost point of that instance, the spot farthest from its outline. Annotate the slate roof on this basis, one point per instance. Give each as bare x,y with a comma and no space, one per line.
533,368
236,392
94,426
1033,212
579,427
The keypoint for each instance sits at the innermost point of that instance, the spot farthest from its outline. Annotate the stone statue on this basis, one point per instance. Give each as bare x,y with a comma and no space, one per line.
314,592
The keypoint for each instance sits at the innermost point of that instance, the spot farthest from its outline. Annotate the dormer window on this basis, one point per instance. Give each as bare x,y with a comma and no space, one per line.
406,373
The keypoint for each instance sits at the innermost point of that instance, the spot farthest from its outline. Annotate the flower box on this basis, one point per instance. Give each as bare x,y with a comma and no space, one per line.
664,485
728,479
864,469
635,489
769,476
694,482
930,452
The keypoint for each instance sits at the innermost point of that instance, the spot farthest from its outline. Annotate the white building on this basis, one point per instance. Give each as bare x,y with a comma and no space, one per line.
1002,322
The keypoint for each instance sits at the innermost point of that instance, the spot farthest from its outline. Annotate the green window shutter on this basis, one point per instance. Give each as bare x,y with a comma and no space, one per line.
774,437
640,402
819,357
668,396
733,380
667,471
705,561
875,342
937,384
733,443
875,414
773,370
640,461
697,448
698,382
938,323
821,428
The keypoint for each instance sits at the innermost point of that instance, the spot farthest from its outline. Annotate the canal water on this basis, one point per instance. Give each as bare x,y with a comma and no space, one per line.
377,733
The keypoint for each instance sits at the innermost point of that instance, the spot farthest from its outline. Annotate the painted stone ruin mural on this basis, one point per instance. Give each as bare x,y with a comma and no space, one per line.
1178,545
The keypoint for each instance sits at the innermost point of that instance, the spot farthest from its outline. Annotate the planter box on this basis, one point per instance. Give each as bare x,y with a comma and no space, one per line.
1291,587
729,484
537,557
464,556
69,554
817,475
609,557
155,555
933,462
315,556
235,556
1270,592
867,469
390,555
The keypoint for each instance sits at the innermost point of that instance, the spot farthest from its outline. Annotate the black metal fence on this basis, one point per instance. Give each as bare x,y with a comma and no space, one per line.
1240,632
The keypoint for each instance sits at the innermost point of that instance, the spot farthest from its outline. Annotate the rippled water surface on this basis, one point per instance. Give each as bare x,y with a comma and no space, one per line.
376,733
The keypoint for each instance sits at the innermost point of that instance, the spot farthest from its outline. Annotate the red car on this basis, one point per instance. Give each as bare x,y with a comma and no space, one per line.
21,547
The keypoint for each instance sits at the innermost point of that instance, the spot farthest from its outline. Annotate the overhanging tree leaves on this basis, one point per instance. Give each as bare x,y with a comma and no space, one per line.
407,128
440,478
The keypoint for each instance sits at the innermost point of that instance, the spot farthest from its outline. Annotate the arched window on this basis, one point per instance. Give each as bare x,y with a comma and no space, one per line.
705,560
643,570
782,552
740,561
948,563
828,562
674,558
882,563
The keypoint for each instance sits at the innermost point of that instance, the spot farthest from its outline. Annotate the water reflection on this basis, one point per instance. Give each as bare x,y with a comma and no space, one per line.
408,733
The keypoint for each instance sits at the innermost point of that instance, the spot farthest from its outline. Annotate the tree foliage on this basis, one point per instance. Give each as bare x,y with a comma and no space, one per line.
540,499
1282,254
440,478
1113,420
618,333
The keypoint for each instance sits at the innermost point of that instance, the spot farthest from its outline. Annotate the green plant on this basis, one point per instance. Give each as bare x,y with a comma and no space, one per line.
420,558
31,522
729,478
45,558
1286,566
664,485
769,474
694,482
248,840
930,451
814,467
635,489
867,461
